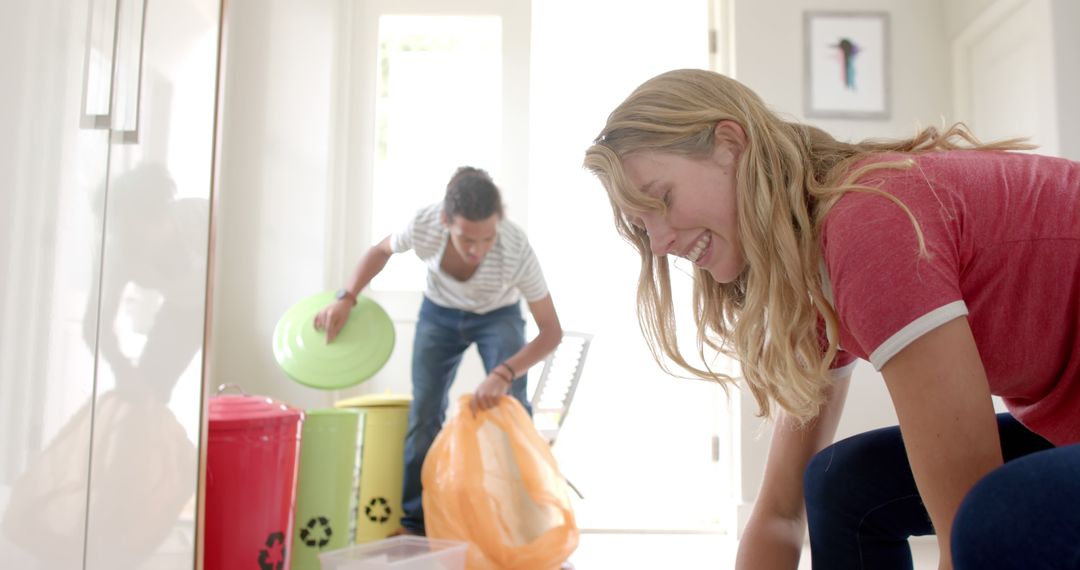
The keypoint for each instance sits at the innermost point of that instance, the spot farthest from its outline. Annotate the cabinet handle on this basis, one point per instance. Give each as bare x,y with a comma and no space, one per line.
98,62
128,71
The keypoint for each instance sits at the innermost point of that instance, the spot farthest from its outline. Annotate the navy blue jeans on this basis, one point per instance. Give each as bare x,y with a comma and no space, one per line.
862,505
442,336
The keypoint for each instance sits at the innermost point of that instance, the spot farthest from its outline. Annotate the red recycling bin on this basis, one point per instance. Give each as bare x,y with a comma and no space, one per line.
252,453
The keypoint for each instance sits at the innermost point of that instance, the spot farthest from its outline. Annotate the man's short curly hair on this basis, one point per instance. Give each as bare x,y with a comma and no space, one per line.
472,194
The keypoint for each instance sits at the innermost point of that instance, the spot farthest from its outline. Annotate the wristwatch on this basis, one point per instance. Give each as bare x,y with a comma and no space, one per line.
345,294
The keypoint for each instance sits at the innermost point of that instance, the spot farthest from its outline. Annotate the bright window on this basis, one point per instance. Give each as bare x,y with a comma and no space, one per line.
438,106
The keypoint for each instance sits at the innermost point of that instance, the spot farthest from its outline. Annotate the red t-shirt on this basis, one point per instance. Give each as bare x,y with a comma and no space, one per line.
1003,232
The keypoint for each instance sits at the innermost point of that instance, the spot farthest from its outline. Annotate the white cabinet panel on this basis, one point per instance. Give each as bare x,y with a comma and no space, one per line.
52,176
144,461
103,249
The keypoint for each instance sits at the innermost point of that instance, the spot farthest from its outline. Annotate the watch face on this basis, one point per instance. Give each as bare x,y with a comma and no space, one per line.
341,294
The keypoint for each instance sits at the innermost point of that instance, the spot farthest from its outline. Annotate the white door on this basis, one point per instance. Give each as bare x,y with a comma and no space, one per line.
1004,83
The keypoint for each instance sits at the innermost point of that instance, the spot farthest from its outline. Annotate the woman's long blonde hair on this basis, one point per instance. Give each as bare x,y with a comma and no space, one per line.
789,175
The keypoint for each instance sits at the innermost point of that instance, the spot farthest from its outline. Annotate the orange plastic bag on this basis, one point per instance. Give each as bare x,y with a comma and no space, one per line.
491,480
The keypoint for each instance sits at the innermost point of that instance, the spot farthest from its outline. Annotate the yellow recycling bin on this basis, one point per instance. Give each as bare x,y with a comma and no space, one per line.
382,463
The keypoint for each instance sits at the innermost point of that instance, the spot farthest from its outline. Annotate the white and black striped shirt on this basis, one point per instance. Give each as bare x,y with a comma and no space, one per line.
508,272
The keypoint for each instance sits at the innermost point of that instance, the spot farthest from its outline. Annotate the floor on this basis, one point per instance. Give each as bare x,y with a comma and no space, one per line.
692,551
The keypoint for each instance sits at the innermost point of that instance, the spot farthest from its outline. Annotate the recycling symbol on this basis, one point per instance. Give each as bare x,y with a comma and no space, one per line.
317,532
273,556
378,510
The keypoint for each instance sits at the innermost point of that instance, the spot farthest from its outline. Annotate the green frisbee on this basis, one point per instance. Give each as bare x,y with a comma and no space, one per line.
361,348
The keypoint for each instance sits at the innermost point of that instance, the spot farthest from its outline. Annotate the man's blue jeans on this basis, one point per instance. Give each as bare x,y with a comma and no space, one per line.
442,336
862,505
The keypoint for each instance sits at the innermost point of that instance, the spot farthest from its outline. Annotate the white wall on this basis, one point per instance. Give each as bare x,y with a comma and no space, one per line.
275,137
768,58
960,13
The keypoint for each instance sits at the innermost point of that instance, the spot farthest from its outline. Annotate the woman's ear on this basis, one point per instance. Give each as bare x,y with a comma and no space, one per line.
730,132
730,137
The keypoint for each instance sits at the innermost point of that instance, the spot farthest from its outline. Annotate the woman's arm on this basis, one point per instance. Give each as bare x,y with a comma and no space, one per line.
939,388
548,338
773,538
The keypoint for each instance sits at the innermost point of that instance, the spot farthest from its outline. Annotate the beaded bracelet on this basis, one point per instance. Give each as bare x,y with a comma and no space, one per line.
502,376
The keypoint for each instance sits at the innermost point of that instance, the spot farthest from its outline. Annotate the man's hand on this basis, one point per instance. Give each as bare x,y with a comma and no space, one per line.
332,319
490,391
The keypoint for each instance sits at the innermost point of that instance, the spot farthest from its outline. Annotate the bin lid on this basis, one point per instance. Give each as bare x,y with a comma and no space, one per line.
375,401
331,413
240,411
359,351
331,419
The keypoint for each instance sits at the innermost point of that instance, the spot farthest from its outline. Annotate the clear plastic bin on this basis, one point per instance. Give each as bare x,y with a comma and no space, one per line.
398,553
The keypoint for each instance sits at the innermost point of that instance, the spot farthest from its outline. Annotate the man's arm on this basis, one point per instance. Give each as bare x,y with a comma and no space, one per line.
334,316
547,339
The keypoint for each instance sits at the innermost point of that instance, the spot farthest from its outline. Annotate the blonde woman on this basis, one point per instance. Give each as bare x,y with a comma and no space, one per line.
952,267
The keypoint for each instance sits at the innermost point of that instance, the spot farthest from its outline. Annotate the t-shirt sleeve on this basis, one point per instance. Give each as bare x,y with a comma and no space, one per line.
402,240
843,365
523,272
530,279
423,234
886,292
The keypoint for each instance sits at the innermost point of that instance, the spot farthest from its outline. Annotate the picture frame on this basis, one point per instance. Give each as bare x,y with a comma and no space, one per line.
846,64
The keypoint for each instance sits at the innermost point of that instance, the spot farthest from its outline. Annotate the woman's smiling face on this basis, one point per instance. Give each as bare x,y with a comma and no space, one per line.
701,222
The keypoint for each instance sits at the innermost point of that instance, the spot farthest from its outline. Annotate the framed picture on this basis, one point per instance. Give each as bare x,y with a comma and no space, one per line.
847,64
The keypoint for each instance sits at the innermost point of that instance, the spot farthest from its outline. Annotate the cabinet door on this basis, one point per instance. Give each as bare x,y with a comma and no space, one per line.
52,187
144,458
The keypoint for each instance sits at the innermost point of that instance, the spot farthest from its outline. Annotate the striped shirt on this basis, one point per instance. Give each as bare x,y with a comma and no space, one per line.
508,272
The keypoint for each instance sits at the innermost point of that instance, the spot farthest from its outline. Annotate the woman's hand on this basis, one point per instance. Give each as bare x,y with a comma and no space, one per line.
332,319
489,392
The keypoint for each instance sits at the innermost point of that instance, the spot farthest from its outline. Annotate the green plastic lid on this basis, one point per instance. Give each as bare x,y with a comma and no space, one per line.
359,351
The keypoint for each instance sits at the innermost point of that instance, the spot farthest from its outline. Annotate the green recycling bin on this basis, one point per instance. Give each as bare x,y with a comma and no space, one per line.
382,463
326,485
